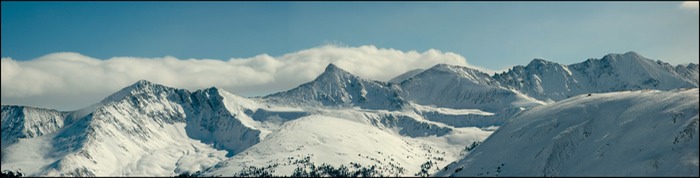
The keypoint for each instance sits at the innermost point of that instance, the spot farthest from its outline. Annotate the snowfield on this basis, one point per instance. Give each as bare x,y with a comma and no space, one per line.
338,141
630,133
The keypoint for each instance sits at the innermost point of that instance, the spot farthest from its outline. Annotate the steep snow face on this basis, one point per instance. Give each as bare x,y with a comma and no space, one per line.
462,88
123,131
219,118
631,133
336,87
546,80
391,143
28,122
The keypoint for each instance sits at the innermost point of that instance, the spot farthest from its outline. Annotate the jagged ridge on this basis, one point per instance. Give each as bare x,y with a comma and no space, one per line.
547,80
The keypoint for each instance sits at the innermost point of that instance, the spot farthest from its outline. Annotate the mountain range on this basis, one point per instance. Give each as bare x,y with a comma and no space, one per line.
444,120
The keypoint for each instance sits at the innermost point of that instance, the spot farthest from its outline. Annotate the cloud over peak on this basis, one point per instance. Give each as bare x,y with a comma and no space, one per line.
68,80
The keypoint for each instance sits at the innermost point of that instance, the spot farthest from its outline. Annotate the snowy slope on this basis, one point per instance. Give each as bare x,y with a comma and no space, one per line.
394,143
336,87
462,88
630,133
549,81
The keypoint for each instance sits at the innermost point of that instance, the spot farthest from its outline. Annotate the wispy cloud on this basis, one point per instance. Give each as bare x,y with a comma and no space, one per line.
70,80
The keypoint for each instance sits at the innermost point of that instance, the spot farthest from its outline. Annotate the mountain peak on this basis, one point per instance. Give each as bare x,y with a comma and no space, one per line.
337,87
446,67
331,66
441,68
333,70
631,55
441,65
142,83
141,86
539,62
454,69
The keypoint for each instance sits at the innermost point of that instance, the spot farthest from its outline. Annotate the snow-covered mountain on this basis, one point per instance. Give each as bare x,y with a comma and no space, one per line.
629,133
337,87
340,124
462,88
550,81
149,129
144,129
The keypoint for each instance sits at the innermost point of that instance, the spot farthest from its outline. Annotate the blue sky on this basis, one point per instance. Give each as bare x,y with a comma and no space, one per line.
68,55
493,35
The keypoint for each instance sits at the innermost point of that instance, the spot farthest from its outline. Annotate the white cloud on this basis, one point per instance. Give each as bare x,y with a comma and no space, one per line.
690,5
71,80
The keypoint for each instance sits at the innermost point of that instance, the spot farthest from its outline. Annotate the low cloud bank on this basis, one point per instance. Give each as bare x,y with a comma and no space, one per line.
68,81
